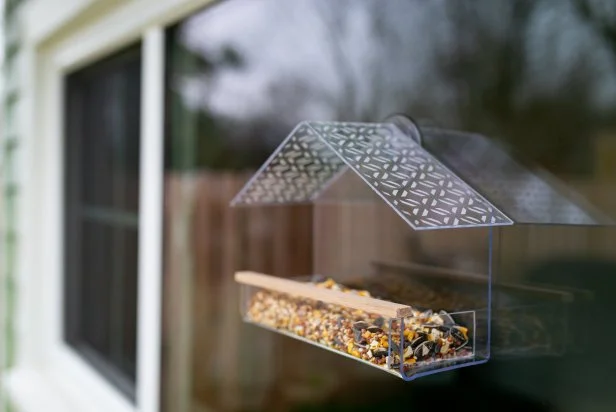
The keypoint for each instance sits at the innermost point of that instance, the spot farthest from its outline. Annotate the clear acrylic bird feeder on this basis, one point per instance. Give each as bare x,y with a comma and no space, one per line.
404,224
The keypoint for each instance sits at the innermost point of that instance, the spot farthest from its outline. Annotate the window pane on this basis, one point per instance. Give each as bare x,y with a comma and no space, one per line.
110,160
101,216
241,75
128,304
95,288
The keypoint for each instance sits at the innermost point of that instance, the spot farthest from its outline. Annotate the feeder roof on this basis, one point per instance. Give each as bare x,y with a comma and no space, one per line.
433,179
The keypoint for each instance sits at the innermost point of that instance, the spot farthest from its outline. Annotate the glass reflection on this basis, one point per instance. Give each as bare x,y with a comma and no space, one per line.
539,77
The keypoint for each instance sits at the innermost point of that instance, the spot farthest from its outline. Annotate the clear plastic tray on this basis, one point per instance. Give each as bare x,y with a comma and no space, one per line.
355,324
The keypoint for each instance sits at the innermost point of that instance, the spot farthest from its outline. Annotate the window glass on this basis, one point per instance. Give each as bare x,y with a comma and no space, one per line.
538,77
102,214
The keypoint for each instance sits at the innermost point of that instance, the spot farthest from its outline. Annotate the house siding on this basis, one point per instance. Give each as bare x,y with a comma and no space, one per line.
9,184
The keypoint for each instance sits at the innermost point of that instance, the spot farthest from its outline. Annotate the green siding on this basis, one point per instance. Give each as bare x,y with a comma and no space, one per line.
10,185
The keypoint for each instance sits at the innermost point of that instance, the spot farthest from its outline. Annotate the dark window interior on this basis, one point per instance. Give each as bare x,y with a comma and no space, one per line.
102,214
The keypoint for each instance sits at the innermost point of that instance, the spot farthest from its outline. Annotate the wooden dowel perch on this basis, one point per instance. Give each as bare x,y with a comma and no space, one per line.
309,291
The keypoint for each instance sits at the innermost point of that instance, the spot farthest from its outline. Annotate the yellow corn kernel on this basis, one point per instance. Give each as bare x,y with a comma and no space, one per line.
464,331
355,353
349,347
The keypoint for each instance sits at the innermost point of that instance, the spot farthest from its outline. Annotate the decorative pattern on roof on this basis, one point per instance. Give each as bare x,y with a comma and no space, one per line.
528,196
415,184
296,172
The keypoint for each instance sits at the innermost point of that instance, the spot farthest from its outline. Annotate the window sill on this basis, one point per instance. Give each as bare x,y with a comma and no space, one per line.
65,386
29,391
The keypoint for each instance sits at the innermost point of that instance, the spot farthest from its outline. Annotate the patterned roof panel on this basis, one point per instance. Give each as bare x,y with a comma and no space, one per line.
527,194
425,193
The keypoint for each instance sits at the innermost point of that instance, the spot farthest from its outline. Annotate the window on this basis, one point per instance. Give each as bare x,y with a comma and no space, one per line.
102,144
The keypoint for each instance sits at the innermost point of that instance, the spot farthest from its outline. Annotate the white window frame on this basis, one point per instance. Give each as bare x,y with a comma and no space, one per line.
61,36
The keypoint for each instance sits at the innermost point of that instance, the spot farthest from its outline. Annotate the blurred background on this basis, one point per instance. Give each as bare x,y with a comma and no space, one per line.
538,77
